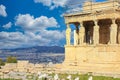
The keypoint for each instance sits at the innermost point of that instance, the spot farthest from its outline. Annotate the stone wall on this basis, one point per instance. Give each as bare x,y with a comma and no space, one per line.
101,58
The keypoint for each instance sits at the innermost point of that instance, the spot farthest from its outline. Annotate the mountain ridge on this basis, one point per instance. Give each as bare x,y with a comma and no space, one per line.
38,49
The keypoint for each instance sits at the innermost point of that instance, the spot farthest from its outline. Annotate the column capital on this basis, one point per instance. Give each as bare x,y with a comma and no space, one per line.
113,21
81,24
96,27
68,25
96,22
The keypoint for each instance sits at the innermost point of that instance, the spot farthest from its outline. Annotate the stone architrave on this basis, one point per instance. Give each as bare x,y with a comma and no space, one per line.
96,33
81,34
113,32
68,35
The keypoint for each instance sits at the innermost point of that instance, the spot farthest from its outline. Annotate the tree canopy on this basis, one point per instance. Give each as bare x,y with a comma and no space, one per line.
11,59
1,62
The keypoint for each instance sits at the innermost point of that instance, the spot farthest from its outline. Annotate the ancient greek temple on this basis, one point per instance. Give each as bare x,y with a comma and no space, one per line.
97,26
96,45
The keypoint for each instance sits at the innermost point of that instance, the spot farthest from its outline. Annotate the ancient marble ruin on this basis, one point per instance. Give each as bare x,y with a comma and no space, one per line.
96,45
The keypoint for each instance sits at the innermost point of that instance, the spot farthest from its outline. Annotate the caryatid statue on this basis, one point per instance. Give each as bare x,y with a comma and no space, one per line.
68,35
113,32
76,35
96,33
119,34
81,34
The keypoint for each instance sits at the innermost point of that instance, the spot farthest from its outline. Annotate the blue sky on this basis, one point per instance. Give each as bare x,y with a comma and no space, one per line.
27,23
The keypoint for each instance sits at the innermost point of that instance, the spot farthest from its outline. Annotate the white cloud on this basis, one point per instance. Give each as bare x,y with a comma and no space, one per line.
74,10
3,11
57,3
35,32
18,39
11,39
45,2
73,6
52,3
61,3
7,26
54,34
29,23
11,36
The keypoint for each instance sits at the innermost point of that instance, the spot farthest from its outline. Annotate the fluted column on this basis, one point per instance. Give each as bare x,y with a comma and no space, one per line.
96,33
68,35
113,32
81,34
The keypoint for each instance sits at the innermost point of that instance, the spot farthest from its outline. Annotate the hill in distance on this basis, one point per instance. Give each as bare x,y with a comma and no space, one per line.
39,49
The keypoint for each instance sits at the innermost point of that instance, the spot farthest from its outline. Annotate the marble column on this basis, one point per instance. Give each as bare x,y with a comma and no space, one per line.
113,32
96,33
75,38
81,34
68,35
76,35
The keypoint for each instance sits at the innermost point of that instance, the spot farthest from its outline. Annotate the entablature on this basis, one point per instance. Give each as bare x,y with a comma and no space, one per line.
92,16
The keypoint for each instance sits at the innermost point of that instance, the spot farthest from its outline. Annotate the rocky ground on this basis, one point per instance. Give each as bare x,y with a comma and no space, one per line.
52,76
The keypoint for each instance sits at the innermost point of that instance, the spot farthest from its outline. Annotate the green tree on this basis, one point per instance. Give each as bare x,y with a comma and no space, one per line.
11,59
1,62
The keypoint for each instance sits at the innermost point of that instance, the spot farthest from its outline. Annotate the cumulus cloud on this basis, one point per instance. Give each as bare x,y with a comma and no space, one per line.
52,3
45,2
39,25
29,23
18,39
54,34
75,6
7,26
57,3
35,32
11,39
3,11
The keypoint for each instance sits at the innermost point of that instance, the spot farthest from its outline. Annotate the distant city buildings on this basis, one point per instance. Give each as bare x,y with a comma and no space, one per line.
35,57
